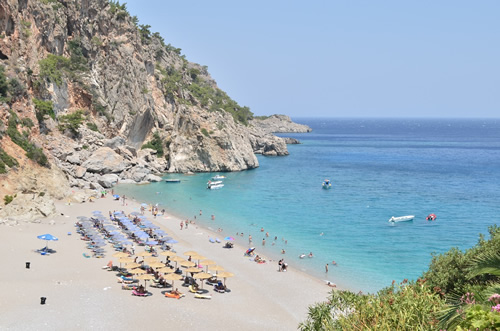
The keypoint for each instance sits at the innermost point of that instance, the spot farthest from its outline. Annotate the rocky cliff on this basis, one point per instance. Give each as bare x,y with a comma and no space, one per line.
90,97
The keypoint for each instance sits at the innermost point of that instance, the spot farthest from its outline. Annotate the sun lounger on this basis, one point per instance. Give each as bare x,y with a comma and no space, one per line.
193,289
128,287
134,292
200,296
174,296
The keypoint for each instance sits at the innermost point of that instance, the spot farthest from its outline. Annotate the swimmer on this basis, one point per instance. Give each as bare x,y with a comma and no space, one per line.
331,284
311,254
334,263
282,251
261,229
302,256
321,234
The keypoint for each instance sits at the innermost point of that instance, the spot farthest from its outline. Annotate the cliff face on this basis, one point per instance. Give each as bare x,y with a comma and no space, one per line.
96,87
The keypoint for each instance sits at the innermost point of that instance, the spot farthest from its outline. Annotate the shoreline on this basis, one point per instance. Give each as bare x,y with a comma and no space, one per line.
78,289
270,256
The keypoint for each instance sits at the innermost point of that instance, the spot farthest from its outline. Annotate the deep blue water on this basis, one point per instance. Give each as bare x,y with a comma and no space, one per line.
379,168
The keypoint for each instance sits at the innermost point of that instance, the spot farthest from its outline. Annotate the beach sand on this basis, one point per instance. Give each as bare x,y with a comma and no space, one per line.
80,295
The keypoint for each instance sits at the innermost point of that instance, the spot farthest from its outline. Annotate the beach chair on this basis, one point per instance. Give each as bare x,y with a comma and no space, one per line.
174,296
136,293
128,287
201,296
219,288
193,289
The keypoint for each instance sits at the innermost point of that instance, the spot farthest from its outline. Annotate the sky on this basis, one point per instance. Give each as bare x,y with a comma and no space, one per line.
348,58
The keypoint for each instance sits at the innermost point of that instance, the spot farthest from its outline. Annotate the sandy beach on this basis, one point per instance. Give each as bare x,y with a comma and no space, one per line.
80,295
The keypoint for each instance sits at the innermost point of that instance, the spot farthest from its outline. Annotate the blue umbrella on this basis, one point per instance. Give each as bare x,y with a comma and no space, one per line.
229,238
47,237
116,196
171,241
152,242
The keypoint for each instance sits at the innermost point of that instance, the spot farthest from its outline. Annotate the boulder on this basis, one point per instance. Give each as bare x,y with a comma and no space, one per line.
105,160
114,143
73,158
80,172
153,178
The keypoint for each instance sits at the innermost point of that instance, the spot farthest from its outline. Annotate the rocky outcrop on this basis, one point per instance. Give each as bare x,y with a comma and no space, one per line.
97,88
27,207
291,141
280,124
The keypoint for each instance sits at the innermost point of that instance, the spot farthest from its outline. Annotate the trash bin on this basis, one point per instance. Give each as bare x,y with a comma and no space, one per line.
42,300
27,265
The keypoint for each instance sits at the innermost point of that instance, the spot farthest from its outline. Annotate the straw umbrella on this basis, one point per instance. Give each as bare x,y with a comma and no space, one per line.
120,254
177,259
208,263
156,265
146,277
166,270
132,265
187,263
190,253
167,253
216,268
125,260
172,277
225,275
202,275
198,257
144,253
137,271
193,270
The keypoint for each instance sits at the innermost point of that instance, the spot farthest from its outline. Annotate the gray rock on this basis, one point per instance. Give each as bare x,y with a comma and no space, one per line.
114,143
153,178
73,158
291,141
80,172
105,160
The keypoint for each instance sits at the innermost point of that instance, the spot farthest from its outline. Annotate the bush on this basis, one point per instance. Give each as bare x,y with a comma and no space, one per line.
205,132
156,144
8,199
92,126
27,122
7,159
4,86
43,108
16,89
71,121
53,67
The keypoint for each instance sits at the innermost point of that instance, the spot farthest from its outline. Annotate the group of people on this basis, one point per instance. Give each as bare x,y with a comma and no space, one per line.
282,265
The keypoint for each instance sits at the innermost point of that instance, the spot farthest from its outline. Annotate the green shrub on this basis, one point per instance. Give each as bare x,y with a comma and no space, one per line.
8,199
156,144
53,67
4,86
6,160
43,108
205,132
71,121
92,126
26,121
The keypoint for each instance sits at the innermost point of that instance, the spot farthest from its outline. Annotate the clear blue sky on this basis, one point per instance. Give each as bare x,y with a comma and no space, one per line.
342,58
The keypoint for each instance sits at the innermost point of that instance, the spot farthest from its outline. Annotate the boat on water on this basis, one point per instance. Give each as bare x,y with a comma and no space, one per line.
401,219
218,177
431,217
173,180
327,184
214,185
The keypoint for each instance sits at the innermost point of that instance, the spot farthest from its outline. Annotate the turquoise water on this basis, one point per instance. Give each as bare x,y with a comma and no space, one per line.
379,169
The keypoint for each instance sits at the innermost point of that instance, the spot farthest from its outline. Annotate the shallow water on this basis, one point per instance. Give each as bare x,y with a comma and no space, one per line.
379,168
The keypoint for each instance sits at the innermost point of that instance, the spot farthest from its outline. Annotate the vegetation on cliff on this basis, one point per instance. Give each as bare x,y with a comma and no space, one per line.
459,291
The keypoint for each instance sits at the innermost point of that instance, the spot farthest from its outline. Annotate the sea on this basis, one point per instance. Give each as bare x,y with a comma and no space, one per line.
379,168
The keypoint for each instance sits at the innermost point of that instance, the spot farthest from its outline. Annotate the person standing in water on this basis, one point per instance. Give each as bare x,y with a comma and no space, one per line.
326,268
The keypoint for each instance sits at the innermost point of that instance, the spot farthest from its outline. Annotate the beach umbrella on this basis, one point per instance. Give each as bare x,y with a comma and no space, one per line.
187,263
202,275
116,196
216,268
137,271
125,259
151,242
156,265
198,257
47,237
225,275
120,254
208,263
132,265
166,270
167,253
229,238
177,259
190,253
150,259
146,277
172,277
145,254
171,241
193,270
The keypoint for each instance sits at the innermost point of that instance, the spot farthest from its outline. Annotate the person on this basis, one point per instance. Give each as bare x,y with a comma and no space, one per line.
331,284
200,212
182,224
250,239
133,249
141,289
187,224
311,254
280,263
334,263
282,251
326,267
263,241
267,234
213,217
261,229
176,291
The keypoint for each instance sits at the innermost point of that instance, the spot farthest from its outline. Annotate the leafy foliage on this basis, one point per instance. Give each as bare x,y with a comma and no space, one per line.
71,121
6,160
27,122
43,108
32,152
92,126
205,132
120,10
156,144
4,86
52,68
145,33
8,198
16,89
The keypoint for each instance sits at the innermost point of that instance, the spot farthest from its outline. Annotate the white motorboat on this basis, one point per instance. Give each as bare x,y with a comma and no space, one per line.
214,185
401,218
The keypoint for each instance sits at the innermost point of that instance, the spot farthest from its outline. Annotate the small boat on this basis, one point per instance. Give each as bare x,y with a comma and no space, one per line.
327,184
218,177
215,185
401,218
431,217
174,180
